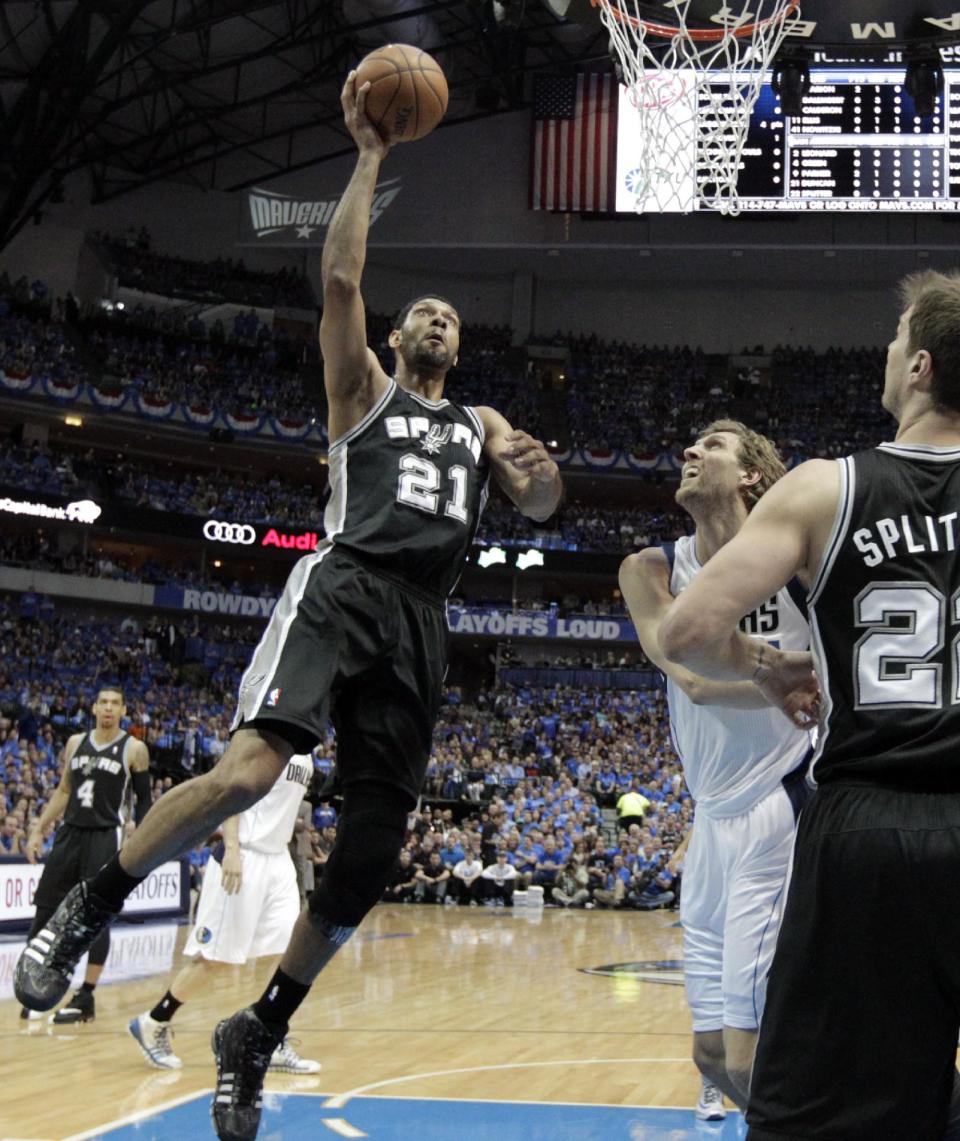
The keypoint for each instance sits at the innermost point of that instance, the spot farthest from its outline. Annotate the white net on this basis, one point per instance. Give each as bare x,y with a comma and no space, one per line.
693,96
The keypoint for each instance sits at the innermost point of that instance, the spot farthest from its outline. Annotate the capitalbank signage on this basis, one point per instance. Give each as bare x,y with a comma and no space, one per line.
288,218
80,511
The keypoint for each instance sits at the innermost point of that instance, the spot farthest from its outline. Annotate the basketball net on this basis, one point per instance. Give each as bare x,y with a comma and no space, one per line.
694,90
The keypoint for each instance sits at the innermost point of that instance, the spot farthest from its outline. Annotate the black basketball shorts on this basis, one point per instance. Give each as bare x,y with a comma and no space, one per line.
77,853
859,1034
346,643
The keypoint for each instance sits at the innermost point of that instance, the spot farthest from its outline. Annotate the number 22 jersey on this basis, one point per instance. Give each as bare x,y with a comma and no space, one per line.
408,484
885,621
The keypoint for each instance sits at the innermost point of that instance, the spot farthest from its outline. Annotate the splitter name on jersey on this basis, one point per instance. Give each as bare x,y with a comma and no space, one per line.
888,538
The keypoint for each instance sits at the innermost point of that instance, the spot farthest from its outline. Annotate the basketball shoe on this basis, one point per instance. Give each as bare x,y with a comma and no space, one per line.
80,1008
286,1060
710,1107
153,1038
47,963
243,1047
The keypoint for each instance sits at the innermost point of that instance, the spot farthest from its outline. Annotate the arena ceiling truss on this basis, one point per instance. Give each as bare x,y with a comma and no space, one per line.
223,94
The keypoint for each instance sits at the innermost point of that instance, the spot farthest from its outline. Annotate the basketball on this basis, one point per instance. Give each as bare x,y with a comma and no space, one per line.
408,91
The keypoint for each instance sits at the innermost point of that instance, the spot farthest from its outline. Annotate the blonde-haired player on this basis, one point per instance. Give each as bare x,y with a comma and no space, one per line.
744,764
248,905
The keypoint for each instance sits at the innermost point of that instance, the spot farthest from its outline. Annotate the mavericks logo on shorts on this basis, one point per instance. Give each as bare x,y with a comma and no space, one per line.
274,697
204,935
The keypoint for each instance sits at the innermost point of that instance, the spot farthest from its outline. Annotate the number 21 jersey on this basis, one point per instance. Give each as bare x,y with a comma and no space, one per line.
885,620
407,486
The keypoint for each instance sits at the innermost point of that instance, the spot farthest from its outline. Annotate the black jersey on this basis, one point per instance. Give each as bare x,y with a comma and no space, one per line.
407,486
885,618
99,781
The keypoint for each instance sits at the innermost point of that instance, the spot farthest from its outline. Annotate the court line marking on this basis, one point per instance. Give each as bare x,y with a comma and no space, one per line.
343,1127
341,1099
138,1115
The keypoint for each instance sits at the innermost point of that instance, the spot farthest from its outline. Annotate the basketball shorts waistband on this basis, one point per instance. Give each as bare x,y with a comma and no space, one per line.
430,597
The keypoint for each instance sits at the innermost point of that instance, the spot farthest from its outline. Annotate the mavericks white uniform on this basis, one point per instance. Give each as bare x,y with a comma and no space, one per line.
259,918
745,769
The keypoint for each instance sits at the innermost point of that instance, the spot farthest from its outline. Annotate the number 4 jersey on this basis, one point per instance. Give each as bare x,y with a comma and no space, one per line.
99,784
885,621
407,486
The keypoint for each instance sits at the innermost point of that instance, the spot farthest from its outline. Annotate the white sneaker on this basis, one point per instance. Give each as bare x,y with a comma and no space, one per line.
710,1107
153,1038
286,1060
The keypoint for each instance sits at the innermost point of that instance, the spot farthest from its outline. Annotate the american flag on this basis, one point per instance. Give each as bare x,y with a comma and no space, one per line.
573,160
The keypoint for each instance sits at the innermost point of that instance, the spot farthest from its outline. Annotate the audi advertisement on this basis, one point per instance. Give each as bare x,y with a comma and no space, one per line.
269,538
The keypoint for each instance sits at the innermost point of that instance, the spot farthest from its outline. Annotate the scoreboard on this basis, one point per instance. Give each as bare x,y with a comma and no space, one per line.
857,146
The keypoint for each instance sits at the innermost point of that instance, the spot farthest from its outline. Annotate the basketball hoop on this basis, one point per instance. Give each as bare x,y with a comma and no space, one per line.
693,88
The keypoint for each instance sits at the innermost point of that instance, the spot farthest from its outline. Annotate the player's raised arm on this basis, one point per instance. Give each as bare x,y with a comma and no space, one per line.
352,373
645,585
521,466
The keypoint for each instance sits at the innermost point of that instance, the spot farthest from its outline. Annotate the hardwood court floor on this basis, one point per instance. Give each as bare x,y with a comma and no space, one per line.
425,1002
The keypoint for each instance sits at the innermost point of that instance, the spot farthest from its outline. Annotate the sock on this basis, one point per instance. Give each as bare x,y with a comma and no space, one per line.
278,1003
87,988
166,1008
111,885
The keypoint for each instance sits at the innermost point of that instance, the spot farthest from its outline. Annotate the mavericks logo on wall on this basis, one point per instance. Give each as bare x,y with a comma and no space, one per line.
273,214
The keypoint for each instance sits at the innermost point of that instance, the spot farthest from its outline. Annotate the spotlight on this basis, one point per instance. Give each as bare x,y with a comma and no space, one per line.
924,80
791,82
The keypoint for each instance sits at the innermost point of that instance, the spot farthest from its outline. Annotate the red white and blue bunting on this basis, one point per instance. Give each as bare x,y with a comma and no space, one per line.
14,382
61,388
248,423
152,408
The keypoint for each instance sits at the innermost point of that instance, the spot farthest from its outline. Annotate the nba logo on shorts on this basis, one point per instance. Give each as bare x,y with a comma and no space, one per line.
274,697
204,934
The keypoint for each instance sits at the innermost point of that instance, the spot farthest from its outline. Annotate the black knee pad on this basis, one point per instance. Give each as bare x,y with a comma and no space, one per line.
99,949
370,833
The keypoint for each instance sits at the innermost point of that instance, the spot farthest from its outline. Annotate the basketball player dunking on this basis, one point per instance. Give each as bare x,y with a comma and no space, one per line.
743,762
859,1036
92,797
360,629
248,905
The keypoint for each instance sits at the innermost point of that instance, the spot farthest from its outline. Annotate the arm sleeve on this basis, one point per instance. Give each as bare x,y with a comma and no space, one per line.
143,794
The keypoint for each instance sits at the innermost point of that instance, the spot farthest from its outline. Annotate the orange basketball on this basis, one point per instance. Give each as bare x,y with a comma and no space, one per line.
408,91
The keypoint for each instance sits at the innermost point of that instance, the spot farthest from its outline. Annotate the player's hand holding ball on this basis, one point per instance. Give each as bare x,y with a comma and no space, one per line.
397,94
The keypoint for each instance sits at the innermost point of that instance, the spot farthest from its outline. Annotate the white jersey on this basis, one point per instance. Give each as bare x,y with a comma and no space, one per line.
268,825
733,758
